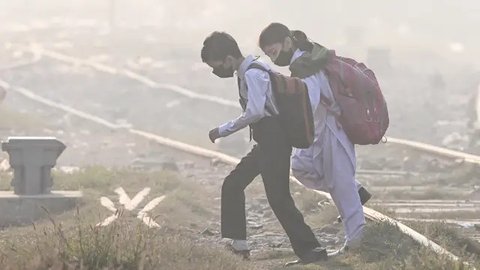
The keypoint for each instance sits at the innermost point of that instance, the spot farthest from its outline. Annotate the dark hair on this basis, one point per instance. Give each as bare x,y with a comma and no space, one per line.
218,45
273,33
301,41
277,32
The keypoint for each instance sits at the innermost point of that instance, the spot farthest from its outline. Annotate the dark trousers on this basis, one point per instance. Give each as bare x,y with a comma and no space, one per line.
271,159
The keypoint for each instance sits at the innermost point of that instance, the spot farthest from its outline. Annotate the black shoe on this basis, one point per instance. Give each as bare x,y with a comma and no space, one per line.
315,255
365,196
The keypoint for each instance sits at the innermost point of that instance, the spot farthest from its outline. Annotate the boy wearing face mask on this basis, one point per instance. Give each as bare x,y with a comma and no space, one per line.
270,157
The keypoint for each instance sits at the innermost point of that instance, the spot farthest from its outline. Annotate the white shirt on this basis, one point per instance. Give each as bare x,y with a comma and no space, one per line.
256,89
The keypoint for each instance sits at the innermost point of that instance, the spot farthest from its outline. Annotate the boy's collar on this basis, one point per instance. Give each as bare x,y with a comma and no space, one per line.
245,64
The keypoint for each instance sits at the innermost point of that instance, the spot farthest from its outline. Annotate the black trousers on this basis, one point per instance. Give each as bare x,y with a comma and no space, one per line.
271,159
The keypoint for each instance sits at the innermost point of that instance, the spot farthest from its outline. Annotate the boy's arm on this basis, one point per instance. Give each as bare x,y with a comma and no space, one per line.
258,82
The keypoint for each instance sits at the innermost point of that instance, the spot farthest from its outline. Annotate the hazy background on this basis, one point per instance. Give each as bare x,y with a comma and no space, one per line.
446,29
425,52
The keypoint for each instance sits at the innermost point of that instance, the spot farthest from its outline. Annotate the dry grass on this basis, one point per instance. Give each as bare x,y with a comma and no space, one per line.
124,245
386,248
451,238
71,240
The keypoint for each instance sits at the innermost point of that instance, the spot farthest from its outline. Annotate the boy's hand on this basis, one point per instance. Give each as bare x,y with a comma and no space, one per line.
214,134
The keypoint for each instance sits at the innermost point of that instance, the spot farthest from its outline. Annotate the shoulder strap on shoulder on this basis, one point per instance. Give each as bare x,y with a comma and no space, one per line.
325,101
258,66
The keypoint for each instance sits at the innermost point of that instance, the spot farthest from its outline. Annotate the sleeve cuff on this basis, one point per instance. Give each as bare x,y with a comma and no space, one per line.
222,130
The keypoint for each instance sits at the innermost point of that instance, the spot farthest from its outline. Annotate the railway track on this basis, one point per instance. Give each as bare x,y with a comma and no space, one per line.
400,207
457,156
425,147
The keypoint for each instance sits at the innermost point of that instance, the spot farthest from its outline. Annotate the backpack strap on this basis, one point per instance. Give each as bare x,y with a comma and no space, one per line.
243,102
260,67
326,101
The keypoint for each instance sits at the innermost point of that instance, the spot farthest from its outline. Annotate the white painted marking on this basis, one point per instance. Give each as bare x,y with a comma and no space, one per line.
130,205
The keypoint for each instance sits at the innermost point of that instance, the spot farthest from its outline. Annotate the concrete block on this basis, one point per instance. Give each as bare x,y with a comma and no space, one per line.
24,209
32,159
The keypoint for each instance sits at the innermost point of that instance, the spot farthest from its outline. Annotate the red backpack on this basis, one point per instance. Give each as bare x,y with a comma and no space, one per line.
364,113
